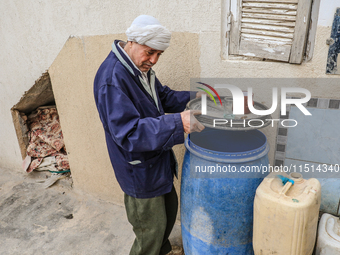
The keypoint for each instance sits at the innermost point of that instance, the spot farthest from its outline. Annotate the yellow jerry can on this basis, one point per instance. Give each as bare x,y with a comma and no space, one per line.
286,210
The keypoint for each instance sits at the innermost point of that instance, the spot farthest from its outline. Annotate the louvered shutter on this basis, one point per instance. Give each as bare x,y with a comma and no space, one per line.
271,29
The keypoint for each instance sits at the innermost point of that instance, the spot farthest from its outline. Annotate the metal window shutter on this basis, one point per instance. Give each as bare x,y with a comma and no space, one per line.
273,29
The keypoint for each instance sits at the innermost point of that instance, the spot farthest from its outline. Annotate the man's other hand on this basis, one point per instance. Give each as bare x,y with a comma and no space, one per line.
190,123
200,93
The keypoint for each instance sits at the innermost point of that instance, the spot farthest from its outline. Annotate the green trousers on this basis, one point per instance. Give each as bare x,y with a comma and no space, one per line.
152,220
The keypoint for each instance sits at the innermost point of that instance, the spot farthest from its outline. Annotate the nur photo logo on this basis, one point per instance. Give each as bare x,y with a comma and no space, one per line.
239,105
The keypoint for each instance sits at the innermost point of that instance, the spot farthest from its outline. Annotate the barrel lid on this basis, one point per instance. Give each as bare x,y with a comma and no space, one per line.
218,117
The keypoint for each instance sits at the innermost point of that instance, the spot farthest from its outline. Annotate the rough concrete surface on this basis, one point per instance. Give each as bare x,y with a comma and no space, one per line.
58,220
34,220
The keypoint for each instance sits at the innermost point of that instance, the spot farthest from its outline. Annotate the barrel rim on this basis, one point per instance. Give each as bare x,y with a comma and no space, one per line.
227,157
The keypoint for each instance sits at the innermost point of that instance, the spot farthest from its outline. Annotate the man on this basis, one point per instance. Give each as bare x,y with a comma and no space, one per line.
132,103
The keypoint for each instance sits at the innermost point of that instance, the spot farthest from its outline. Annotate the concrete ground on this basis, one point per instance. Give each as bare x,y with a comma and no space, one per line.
58,220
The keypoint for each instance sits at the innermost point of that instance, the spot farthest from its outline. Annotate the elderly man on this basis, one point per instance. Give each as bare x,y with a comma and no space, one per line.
132,103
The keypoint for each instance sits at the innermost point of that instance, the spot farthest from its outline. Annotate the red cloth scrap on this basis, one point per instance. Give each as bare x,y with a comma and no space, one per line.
46,138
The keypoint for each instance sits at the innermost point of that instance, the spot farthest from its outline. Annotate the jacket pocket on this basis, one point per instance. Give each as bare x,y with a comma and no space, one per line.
153,173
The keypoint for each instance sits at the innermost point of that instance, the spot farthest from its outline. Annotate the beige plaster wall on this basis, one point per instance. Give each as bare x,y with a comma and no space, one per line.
72,75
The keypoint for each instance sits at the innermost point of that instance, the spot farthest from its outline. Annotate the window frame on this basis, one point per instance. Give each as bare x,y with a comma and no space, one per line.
304,33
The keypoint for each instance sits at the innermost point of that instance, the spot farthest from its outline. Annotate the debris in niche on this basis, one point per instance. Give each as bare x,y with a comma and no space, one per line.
46,149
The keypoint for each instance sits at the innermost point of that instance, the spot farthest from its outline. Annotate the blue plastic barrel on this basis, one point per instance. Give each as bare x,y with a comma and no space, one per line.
216,207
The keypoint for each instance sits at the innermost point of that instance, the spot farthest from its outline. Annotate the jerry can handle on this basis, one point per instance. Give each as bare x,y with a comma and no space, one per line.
287,186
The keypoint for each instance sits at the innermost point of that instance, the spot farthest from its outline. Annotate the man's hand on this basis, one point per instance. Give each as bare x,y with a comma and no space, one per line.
190,123
200,93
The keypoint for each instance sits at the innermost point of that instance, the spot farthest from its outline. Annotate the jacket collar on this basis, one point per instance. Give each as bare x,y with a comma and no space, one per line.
125,60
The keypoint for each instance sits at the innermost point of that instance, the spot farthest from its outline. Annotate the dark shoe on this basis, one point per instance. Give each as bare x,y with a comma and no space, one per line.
176,250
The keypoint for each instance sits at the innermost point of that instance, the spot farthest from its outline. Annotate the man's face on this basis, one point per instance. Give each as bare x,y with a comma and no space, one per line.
142,56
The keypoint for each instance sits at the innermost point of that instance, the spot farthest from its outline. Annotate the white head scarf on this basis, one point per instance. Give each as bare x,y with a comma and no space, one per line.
146,30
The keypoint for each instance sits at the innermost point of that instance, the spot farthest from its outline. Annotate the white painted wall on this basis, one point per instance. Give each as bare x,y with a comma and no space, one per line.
32,33
327,10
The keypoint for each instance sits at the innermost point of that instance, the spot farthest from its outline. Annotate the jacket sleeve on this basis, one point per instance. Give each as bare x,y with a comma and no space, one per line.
131,132
172,100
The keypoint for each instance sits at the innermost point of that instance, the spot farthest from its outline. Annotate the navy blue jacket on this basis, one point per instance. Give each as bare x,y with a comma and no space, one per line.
139,136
